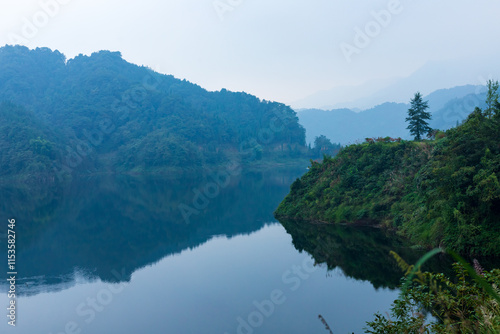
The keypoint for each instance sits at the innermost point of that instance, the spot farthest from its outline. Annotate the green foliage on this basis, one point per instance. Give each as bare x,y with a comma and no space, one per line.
42,147
359,185
323,146
117,116
456,194
444,192
26,146
467,303
417,117
492,98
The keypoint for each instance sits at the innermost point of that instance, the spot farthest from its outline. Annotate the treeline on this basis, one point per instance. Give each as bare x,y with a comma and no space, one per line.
442,192
101,113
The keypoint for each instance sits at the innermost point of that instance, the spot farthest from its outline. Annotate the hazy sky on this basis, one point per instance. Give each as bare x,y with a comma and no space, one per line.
280,50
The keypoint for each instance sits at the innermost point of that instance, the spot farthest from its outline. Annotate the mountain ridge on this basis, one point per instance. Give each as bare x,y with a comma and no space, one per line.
447,106
106,114
458,72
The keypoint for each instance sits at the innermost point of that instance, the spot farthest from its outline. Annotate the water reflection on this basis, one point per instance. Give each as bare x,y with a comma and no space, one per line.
361,252
108,227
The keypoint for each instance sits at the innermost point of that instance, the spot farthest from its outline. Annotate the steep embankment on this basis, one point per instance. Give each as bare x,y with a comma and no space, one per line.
359,185
443,192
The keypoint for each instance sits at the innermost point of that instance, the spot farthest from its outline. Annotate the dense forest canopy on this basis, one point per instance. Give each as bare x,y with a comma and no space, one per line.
101,113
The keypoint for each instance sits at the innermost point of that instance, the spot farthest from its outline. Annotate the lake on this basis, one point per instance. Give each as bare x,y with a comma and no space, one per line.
197,254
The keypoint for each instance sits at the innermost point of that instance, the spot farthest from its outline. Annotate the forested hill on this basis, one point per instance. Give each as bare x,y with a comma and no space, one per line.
444,192
101,113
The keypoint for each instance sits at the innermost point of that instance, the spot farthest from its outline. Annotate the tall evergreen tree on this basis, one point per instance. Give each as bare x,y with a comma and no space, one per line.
492,98
418,116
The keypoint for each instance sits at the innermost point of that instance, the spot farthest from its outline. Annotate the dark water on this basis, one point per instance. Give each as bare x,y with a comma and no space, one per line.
193,255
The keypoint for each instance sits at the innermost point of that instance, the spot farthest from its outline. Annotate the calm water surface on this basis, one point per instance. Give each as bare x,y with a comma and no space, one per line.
149,255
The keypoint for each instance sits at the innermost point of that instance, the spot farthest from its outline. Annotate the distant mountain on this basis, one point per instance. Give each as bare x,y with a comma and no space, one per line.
439,98
456,110
428,78
447,106
352,97
346,126
101,113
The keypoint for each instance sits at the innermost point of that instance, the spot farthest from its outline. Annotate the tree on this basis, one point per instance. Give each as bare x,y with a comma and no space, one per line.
492,98
323,145
417,117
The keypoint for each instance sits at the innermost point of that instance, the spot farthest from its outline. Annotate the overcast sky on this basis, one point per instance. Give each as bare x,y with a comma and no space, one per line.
282,50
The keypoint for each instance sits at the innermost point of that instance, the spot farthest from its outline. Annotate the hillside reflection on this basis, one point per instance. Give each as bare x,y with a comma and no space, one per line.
361,252
108,227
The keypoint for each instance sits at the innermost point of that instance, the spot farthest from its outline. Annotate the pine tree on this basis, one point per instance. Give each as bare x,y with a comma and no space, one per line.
492,98
418,116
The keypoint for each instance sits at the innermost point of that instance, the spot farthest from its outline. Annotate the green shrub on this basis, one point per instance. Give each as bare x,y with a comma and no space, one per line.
462,304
